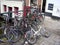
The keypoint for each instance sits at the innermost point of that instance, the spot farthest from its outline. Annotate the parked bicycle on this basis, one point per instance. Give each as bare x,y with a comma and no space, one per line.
28,28
36,29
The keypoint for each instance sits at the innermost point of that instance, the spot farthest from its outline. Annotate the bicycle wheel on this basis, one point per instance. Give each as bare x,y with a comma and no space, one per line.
30,37
13,36
2,36
44,32
26,43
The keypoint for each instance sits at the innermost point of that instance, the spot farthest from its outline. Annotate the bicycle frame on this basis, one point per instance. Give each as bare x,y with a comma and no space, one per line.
36,33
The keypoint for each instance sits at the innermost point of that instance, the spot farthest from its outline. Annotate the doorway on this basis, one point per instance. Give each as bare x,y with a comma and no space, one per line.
43,5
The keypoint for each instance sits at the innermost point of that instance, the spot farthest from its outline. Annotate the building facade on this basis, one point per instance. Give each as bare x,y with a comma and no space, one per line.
36,2
27,2
15,6
53,8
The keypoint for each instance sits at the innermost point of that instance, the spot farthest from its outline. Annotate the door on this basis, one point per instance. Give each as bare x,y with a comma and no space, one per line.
43,5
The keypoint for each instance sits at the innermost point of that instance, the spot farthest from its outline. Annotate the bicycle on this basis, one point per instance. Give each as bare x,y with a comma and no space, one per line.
36,30
6,30
15,33
32,35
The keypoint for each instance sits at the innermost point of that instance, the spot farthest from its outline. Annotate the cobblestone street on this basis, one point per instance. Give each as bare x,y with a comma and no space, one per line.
53,27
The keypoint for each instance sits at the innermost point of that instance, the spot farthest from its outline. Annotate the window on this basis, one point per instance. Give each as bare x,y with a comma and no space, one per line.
33,1
16,10
10,14
50,7
5,8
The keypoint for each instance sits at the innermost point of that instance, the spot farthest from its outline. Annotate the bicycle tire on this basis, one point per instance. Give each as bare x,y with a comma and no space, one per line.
28,34
13,36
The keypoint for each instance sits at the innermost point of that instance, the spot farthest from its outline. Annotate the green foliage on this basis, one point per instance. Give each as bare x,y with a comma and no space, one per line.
1,31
